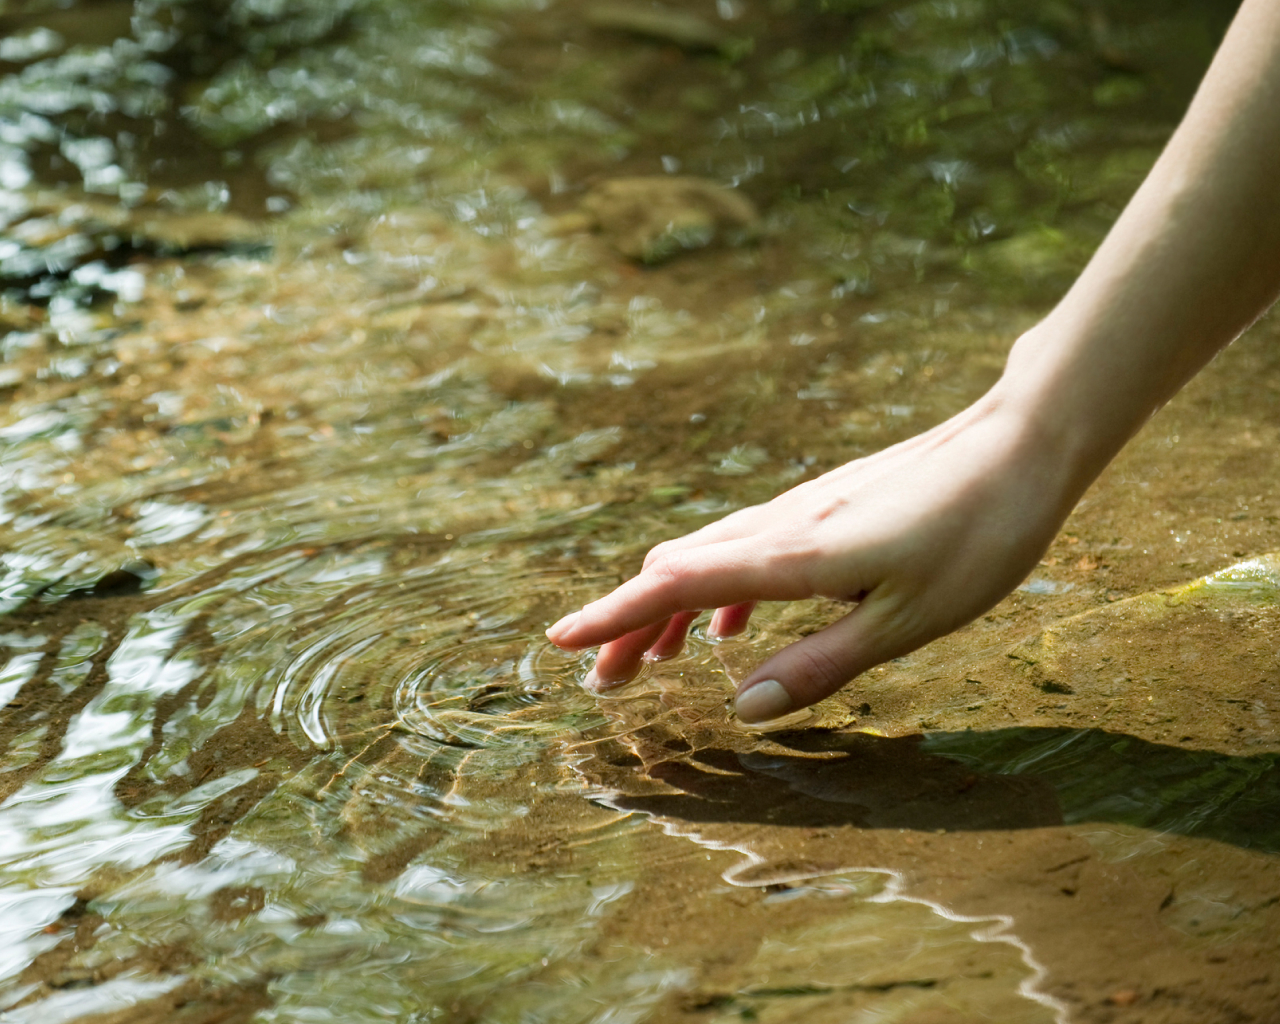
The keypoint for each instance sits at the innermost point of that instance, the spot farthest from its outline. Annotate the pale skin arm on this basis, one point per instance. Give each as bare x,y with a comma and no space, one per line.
929,534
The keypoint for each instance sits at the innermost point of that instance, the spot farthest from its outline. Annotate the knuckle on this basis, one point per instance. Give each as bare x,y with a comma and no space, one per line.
667,568
657,552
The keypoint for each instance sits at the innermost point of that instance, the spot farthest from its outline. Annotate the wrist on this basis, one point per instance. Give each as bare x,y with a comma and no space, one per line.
1070,417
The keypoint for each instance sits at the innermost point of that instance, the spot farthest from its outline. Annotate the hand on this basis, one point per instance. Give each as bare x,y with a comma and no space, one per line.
924,537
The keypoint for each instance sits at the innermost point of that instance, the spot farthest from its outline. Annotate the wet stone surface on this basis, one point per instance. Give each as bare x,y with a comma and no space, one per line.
329,379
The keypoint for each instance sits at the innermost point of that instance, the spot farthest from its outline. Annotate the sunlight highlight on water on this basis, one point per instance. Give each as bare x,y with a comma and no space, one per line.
345,346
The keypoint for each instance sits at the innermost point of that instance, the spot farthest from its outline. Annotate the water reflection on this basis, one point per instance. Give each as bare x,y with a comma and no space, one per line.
859,781
1004,779
1101,777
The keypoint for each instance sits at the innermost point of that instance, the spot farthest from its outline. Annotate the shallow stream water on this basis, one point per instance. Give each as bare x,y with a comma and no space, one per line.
348,344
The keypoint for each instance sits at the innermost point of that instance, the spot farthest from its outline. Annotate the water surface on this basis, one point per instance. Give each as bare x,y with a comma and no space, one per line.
330,379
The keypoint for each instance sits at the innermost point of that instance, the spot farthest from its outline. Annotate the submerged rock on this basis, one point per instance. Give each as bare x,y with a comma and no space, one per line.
653,219
52,237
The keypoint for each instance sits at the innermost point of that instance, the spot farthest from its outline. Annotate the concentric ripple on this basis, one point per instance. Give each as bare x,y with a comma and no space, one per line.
339,647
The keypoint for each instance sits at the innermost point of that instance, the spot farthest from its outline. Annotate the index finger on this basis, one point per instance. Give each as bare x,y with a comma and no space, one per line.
712,576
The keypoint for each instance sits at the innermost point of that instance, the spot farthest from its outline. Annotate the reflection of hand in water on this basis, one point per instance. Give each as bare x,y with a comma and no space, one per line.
930,533
864,781
685,761
690,764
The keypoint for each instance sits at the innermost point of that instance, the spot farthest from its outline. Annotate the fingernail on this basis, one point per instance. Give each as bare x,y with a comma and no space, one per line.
763,701
563,626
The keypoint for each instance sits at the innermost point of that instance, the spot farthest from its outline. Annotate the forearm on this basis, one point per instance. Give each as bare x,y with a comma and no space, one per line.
1192,261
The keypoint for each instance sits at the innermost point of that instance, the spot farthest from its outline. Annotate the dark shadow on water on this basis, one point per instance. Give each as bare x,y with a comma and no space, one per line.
971,781
1108,777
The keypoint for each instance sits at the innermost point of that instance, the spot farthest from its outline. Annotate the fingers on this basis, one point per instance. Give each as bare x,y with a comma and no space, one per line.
794,678
818,665
618,661
732,620
734,526
671,642
714,576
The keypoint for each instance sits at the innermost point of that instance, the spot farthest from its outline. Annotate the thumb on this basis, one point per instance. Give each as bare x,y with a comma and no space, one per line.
815,667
